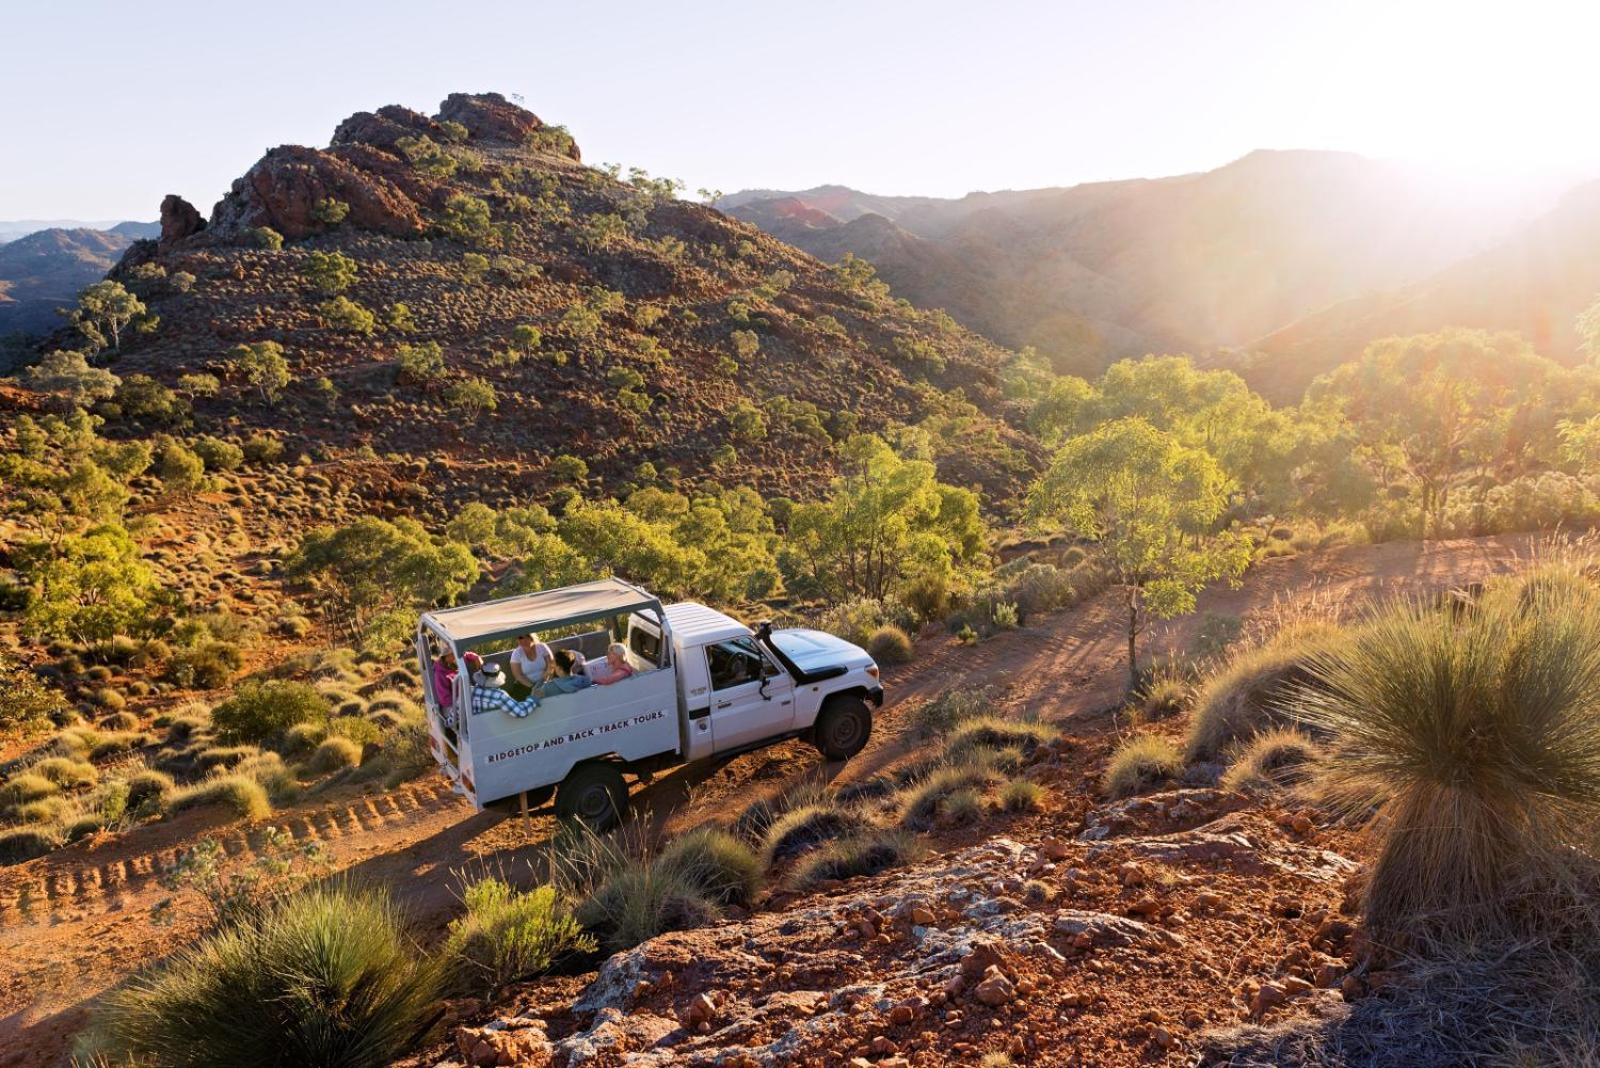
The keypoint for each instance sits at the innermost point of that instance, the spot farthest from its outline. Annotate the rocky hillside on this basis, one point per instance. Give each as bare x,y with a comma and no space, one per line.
462,290
44,270
1184,264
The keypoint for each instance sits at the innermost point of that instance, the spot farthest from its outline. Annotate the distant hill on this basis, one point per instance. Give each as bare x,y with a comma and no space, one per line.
45,270
1190,263
1534,283
11,229
671,334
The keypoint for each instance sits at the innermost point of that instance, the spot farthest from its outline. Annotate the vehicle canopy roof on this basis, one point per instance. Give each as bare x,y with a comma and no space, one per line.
695,624
547,610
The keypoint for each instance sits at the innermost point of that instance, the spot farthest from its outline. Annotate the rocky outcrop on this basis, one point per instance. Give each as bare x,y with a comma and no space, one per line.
179,219
282,189
384,128
489,117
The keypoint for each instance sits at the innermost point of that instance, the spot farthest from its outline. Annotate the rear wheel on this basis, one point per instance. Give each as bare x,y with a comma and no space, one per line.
843,727
593,794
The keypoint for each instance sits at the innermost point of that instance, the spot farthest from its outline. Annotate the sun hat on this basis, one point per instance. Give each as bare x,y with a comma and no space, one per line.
491,676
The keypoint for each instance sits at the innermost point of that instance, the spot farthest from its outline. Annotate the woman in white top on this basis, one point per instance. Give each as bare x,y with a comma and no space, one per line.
530,660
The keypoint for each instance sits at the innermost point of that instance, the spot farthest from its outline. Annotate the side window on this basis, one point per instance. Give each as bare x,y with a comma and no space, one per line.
645,646
736,662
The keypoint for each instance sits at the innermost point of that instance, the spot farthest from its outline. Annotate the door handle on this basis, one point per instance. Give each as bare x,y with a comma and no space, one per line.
724,704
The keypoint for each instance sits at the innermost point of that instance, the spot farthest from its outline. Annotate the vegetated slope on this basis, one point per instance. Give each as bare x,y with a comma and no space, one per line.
657,319
45,270
1535,284
1189,263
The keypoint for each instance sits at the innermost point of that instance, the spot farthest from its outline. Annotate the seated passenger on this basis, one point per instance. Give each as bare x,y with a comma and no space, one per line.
530,661
614,668
489,694
444,678
566,679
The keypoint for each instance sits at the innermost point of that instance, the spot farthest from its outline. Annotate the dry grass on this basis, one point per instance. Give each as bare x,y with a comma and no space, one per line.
1140,762
1273,759
1252,692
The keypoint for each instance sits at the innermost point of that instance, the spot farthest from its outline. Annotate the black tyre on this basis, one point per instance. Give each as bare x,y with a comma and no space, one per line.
593,794
843,727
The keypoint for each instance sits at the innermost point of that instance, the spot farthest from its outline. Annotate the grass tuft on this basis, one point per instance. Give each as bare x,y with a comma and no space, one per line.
508,935
1252,692
1276,758
243,794
866,852
724,869
1140,762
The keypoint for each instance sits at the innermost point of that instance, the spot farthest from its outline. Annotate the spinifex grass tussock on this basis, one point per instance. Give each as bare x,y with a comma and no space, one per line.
1476,736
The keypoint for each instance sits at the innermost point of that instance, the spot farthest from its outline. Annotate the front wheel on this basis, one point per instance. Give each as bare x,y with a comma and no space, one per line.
843,727
593,794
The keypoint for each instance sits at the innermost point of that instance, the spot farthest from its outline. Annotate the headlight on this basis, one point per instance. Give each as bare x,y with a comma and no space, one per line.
872,669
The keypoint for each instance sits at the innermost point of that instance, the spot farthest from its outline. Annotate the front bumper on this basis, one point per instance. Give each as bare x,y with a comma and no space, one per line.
875,695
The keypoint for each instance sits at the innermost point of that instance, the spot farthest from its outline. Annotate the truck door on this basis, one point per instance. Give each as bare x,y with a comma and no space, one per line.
751,697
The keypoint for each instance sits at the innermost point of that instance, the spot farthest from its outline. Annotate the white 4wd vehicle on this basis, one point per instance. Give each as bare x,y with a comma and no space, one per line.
703,685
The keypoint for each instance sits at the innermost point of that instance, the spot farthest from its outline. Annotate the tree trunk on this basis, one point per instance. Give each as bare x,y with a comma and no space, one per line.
1133,636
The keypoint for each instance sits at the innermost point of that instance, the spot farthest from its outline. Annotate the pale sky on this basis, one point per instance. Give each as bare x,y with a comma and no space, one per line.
110,105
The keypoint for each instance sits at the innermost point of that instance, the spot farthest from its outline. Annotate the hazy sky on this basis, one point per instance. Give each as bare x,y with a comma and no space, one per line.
110,105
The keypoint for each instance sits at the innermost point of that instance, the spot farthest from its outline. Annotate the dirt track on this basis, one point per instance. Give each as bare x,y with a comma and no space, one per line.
78,921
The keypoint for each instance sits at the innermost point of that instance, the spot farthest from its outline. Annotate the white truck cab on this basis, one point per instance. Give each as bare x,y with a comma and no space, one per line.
703,685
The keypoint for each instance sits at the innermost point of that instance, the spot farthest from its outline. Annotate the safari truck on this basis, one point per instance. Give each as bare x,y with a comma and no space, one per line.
703,685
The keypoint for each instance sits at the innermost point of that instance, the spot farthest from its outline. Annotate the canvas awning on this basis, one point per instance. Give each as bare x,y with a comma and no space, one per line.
510,616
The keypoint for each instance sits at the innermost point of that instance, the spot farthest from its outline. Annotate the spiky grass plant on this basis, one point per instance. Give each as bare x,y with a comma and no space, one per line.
1477,737
330,976
1140,762
724,869
1251,693
805,828
867,852
1276,758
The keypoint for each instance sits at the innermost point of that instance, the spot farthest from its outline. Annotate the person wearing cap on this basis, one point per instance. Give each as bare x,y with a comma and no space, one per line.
489,694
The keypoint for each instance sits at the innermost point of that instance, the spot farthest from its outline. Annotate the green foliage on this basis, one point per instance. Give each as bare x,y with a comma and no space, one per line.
427,156
329,977
745,343
90,587
1588,327
471,396
330,212
1140,762
508,935
179,467
602,230
747,421
263,368
374,565
217,454
1152,504
342,313
474,267
26,704
420,363
580,322
261,711
104,311
335,754
856,274
1476,736
950,709
400,319
200,384
69,377
268,238
887,522
330,272
569,468
143,399
466,218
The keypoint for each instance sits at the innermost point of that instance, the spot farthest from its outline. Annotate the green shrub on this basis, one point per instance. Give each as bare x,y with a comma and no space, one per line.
342,313
807,827
25,787
24,843
1021,795
330,272
722,868
508,935
1476,735
864,853
67,773
327,977
362,732
266,237
218,455
335,754
889,645
1140,762
243,794
260,710
204,666
1251,693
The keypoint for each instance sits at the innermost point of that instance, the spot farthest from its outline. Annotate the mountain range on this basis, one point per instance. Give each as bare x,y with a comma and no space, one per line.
44,270
1280,263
